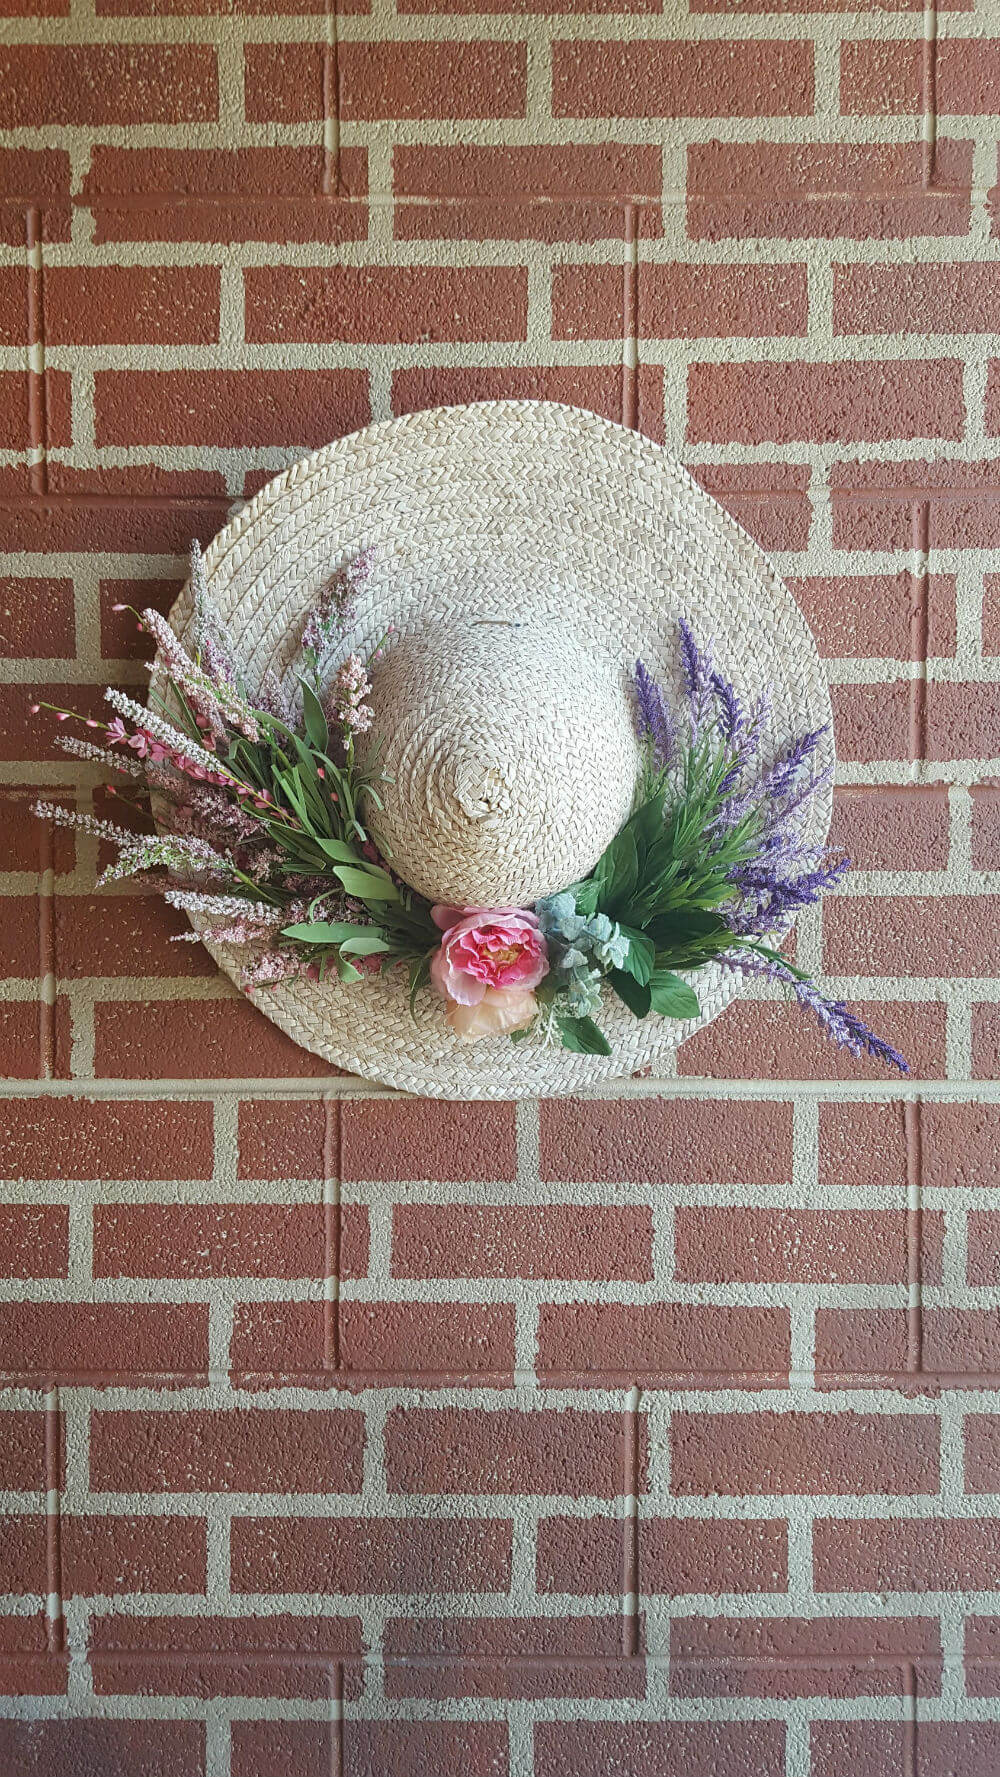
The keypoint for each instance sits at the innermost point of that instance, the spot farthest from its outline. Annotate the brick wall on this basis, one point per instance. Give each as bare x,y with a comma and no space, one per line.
650,1435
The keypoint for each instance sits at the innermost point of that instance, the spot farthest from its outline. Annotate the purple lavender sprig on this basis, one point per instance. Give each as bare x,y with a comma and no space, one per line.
835,1018
696,668
655,722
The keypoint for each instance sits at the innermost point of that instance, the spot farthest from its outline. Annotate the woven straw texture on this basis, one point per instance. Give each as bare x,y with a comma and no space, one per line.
526,554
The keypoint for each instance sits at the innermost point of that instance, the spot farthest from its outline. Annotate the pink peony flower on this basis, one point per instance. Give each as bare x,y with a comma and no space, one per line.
501,1009
484,951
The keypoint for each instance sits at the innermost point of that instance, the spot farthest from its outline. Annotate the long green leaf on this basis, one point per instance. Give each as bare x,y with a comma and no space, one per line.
322,931
317,732
641,955
365,885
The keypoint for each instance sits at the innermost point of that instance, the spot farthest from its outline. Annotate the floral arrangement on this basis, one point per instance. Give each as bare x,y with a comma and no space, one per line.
261,814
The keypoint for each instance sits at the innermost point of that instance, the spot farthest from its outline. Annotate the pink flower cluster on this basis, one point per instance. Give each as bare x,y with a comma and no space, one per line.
148,747
486,966
350,688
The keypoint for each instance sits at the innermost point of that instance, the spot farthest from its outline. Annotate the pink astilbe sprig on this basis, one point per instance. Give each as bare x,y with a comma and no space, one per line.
216,701
333,614
346,706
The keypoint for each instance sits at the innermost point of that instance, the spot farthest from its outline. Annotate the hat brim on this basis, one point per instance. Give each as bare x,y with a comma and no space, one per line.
524,510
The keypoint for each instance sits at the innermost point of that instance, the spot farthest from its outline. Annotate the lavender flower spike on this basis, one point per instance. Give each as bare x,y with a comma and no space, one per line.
835,1019
731,717
655,724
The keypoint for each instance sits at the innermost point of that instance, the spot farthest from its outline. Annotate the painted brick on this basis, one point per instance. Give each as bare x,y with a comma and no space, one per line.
985,827
599,388
666,1140
371,1555
984,1259
681,301
286,1138
131,305
50,393
803,1657
902,616
96,1745
963,721
232,408
107,83
86,521
225,194
545,1241
963,298
803,1453
574,193
71,1138
97,935
826,403
982,1656
104,1554
845,1246
863,1144
748,78
215,1039
875,722
27,1666
985,1041
38,175
874,1748
243,1450
902,506
271,1656
770,500
390,305
904,828
906,1555
604,1345
621,1748
510,1657
777,1042
23,1040
104,1344
827,190
24,1464
36,617
436,1341
430,80
34,1240
14,305
588,1556
469,1450
224,1240
925,935
960,1143
474,1142
954,1347
369,1748
886,78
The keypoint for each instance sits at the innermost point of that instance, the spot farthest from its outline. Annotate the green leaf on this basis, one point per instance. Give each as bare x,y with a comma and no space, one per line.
339,851
647,821
365,885
618,872
365,942
317,732
586,895
346,970
322,931
672,997
635,994
583,1037
420,973
641,956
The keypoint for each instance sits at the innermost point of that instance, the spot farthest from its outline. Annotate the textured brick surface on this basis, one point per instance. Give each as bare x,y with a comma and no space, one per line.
649,1435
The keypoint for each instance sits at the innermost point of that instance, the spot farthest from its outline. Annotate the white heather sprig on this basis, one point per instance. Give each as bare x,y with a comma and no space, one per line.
84,823
85,749
170,851
226,907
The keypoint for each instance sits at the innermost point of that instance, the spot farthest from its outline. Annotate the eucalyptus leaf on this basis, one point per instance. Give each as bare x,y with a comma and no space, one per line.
366,941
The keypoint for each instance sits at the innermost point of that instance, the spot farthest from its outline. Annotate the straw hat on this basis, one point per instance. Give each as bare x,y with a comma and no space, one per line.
526,555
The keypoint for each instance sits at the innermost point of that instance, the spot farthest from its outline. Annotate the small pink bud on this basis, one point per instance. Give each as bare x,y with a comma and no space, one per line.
35,708
90,723
320,772
62,715
110,790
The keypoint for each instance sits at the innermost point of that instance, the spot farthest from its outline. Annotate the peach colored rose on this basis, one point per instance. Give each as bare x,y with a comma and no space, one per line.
486,950
501,1009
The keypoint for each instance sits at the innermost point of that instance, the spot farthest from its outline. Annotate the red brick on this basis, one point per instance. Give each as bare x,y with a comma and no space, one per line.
875,722
804,1453
433,1342
122,934
770,500
844,1246
827,190
20,939
121,637
95,83
779,1042
906,1555
13,305
208,1039
985,826
286,1138
73,1138
863,1144
400,1139
903,616
626,1748
390,305
991,614
599,388
229,407
662,1344
270,1656
826,403
960,1143
951,298
28,1667
429,80
916,505
36,617
804,1656
985,1041
923,935
226,194
98,1747
51,394
587,1556
982,1656
887,78
953,1347
30,1038
103,1344
24,1458
470,1450
101,1554
131,305
887,828
34,1240
545,1241
510,1657
88,521
662,1140
576,193
243,1450
31,177
221,1239
371,1555
963,721
369,1748
932,1749
681,301
749,78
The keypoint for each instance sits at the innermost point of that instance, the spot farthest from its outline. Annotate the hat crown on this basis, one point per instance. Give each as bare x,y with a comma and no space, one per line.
510,757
